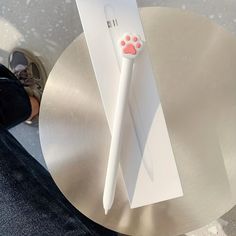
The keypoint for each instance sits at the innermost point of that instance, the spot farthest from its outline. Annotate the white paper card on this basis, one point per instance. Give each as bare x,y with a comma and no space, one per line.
148,164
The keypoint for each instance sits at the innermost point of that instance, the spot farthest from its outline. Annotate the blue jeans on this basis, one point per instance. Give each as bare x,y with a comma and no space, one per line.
30,202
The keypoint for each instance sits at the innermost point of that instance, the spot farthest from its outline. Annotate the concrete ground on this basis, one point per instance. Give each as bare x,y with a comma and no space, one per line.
48,27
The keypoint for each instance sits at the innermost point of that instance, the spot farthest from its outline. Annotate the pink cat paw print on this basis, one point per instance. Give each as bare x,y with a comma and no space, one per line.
131,45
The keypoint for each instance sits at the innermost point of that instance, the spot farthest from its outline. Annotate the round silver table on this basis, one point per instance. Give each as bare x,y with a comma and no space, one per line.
195,65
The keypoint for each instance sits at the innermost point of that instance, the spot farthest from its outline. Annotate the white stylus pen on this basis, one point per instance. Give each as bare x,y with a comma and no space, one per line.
130,46
113,29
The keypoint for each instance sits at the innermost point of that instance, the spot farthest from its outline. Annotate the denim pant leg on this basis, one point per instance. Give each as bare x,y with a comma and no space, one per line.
30,202
14,102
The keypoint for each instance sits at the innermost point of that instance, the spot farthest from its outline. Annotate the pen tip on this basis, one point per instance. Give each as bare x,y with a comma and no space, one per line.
106,211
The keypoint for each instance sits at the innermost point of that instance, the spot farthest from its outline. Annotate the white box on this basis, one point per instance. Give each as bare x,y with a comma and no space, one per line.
147,159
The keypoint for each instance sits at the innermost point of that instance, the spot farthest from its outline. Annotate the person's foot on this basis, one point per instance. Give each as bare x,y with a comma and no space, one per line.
30,71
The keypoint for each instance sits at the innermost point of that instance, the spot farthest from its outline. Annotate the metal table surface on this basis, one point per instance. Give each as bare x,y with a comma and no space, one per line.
194,60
